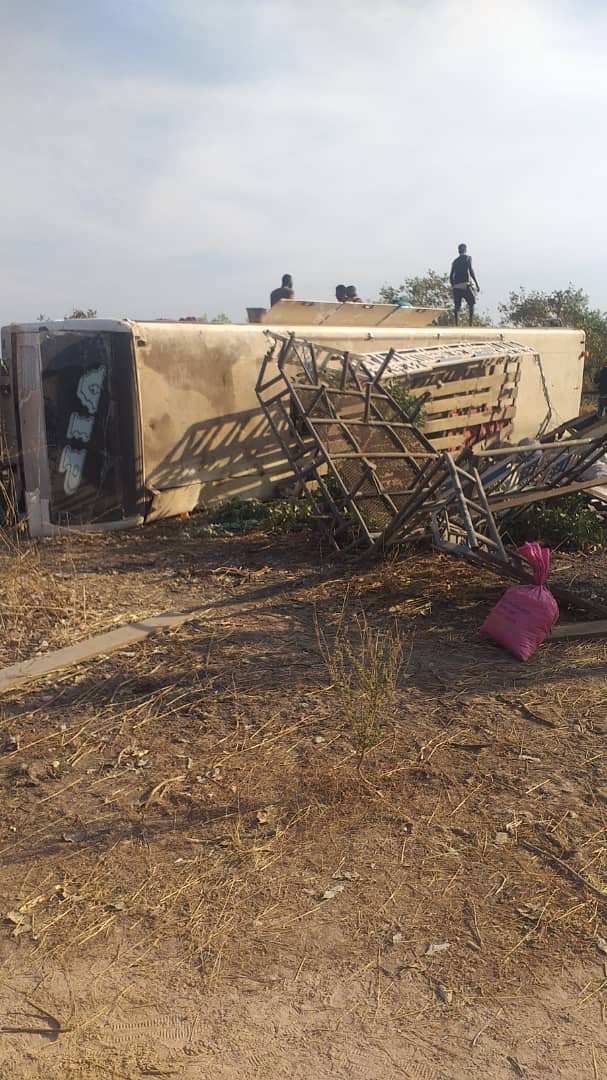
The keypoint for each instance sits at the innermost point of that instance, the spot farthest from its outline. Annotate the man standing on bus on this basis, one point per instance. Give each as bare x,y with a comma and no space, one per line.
462,277
285,292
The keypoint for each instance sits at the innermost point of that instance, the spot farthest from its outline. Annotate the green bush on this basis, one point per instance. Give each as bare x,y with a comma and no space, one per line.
567,523
407,401
235,517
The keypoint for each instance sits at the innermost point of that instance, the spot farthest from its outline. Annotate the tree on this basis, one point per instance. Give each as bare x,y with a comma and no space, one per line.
429,290
80,313
562,307
221,318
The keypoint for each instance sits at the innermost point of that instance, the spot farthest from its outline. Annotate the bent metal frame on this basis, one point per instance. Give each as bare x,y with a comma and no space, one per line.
374,479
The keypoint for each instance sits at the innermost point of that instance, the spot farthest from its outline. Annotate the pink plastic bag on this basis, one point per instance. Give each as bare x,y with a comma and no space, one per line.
525,614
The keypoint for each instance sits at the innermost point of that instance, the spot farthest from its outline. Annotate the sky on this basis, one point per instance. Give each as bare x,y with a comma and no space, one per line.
163,158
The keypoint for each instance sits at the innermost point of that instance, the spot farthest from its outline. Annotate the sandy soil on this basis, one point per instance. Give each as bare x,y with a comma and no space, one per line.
197,880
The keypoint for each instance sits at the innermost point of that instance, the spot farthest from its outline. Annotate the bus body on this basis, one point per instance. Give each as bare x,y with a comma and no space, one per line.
110,423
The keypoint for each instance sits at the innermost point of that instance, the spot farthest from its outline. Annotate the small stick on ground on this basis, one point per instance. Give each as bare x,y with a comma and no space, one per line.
548,855
485,1026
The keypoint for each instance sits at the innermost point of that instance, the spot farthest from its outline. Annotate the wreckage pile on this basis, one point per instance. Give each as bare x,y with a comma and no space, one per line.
375,479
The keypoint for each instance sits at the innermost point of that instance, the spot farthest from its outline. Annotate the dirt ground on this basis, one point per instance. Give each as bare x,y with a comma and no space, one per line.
196,880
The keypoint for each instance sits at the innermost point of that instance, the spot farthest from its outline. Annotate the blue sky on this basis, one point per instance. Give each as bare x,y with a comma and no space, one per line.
169,158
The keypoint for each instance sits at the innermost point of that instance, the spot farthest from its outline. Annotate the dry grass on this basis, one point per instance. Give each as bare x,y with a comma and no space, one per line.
58,591
363,664
208,814
38,607
192,807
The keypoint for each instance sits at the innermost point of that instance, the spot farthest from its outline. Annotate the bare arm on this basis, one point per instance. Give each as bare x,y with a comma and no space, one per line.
473,275
451,275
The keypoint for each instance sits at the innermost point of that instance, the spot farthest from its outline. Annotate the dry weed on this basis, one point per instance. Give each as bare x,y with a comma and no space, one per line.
364,666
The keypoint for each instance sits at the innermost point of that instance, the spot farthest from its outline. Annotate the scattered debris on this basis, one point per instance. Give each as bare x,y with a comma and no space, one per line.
74,836
23,924
435,949
157,793
516,1067
601,894
444,994
374,479
332,892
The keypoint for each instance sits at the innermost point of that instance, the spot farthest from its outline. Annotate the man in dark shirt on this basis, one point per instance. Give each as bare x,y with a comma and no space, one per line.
462,277
601,380
285,292
341,294
352,295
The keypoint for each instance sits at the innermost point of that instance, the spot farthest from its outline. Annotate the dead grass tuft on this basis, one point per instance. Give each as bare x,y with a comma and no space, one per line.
364,664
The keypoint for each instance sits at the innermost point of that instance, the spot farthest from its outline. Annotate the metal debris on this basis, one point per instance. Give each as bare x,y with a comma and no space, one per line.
375,479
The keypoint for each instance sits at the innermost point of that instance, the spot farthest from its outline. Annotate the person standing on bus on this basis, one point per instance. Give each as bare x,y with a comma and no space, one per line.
285,292
462,277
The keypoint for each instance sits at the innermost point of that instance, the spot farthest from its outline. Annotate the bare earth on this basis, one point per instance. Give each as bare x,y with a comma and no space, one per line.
197,882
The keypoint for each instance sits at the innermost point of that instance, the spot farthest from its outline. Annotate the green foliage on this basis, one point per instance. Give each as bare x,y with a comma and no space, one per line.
562,307
567,523
220,318
407,401
82,313
431,290
428,290
235,517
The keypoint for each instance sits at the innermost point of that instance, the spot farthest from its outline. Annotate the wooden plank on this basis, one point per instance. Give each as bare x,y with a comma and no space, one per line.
524,498
504,451
95,646
565,631
463,386
436,406
518,571
471,420
458,440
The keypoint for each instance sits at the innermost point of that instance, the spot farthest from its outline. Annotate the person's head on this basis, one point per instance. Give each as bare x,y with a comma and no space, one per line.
351,292
462,249
341,293
287,281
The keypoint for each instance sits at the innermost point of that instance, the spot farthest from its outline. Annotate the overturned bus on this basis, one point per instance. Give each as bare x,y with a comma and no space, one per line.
108,424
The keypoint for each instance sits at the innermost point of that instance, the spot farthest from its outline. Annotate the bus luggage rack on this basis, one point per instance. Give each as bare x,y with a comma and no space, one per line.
375,480
353,450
